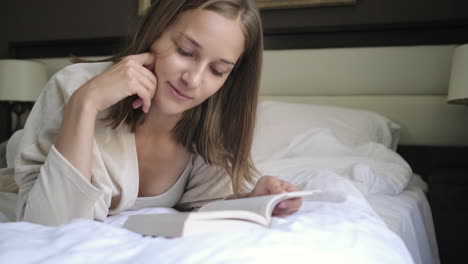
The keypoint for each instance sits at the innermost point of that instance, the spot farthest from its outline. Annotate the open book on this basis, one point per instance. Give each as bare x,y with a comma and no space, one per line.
212,217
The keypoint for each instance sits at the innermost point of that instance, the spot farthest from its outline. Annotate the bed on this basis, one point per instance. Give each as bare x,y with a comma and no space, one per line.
329,119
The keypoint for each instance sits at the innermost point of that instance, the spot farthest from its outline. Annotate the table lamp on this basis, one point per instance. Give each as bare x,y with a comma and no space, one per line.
21,82
458,86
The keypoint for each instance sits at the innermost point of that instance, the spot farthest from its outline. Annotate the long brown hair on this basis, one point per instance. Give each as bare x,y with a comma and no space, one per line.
221,128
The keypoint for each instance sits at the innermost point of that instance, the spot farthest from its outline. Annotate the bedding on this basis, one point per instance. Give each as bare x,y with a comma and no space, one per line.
408,214
279,122
371,167
337,226
343,224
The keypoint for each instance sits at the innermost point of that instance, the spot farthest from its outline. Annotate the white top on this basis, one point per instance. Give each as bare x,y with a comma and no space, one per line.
167,199
52,191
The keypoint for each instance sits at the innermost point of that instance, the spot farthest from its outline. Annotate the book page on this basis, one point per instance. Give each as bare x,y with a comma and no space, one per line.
261,205
194,226
181,224
167,225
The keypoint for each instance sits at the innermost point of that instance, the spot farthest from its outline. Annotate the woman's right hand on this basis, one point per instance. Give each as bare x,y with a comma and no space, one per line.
134,74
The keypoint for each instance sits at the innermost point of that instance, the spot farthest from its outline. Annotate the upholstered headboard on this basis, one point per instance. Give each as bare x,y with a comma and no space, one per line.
407,84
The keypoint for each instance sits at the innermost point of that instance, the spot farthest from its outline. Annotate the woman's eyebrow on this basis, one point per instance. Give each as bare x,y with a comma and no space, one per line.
227,62
195,43
191,40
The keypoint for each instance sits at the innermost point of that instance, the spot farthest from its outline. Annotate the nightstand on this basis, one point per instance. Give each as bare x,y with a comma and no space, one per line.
448,196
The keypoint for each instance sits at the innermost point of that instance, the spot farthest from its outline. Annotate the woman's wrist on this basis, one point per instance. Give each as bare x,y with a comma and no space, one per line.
81,103
75,138
237,196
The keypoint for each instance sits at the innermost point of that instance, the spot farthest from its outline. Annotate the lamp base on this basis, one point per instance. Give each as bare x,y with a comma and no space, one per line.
459,101
12,117
19,109
5,120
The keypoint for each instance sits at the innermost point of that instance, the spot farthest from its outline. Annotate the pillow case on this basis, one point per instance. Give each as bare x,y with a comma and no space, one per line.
278,123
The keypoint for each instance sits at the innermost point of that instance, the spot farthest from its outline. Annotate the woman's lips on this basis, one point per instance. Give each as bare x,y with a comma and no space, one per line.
178,93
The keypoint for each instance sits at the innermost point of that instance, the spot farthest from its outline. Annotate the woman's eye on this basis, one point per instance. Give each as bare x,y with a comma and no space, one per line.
184,53
215,72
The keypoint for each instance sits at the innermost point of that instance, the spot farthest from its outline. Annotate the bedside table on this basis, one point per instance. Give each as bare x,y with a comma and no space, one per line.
448,197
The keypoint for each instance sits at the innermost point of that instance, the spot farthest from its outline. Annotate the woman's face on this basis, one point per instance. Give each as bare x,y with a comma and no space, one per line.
194,59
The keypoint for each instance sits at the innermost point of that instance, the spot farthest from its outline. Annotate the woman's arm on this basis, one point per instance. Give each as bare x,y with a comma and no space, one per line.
128,77
54,186
75,139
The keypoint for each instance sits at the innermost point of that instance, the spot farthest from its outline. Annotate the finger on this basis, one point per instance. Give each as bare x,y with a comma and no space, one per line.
283,215
290,187
145,96
150,67
148,80
275,186
287,206
146,59
149,74
291,203
284,212
137,103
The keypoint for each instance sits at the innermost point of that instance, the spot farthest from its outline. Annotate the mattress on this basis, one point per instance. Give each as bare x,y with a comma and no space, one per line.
409,216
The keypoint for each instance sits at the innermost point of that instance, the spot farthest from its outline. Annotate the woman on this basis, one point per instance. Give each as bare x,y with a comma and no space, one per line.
168,123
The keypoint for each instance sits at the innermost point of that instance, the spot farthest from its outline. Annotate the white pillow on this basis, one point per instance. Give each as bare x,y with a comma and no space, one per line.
278,123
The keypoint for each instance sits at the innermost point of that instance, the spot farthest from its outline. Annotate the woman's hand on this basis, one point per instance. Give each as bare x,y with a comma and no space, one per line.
132,75
267,185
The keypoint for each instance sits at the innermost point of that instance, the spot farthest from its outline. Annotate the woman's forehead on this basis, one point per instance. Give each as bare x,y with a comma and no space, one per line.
211,32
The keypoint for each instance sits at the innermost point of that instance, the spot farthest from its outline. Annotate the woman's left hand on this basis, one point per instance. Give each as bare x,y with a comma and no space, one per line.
268,185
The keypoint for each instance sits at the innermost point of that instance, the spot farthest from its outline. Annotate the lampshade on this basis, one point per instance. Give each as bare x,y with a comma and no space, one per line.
458,86
21,80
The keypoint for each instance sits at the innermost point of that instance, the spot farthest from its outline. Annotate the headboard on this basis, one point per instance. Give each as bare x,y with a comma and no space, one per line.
408,84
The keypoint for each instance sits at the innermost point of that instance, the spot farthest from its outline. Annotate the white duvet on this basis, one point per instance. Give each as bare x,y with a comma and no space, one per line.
335,226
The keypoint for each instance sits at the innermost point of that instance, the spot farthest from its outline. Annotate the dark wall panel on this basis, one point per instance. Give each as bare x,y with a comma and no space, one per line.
366,13
50,23
3,30
58,19
368,23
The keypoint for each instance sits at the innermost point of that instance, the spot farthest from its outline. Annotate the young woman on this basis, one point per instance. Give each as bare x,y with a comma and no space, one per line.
168,122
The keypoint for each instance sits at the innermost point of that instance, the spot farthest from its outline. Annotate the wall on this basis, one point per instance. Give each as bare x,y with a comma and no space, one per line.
368,23
47,20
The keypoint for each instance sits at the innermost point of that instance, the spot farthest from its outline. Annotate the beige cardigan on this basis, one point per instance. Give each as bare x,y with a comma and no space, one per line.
53,192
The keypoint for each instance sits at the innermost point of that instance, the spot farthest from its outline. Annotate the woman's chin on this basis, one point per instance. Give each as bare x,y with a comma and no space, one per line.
169,108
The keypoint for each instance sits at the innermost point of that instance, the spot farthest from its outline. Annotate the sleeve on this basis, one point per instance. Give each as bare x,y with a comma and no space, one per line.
206,183
51,191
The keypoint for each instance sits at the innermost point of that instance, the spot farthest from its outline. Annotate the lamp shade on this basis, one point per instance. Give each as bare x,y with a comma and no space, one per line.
458,86
21,80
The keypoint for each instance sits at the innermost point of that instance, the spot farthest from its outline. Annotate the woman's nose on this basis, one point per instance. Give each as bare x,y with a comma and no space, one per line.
193,77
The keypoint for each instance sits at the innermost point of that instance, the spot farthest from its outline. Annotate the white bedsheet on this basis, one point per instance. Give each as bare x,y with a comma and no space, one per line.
409,215
336,226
